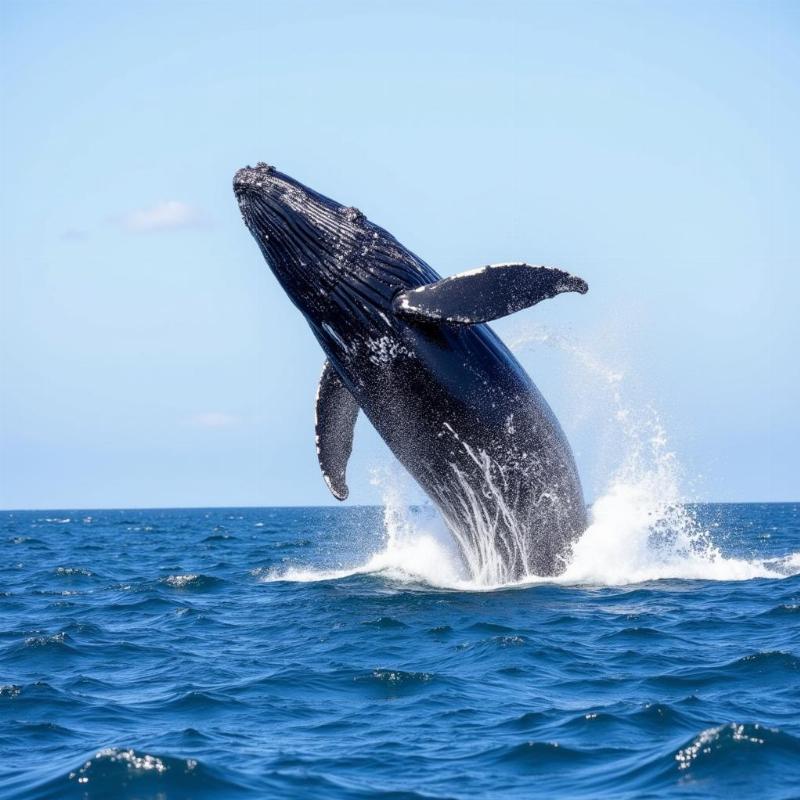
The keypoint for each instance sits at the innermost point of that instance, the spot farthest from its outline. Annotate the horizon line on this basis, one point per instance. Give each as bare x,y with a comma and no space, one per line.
331,506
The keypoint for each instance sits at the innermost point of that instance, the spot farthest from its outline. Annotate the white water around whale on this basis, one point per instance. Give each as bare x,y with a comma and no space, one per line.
640,528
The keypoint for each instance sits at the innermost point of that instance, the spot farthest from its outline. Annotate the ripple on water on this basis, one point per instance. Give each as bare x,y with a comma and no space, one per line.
74,571
395,681
193,582
782,610
199,702
491,627
440,630
385,622
55,642
537,756
635,634
775,664
757,666
493,644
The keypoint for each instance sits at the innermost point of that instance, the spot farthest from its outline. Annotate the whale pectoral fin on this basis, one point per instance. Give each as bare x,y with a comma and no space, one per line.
484,294
337,411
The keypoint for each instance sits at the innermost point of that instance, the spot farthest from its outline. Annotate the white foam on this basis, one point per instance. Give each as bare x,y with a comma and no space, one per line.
633,538
416,546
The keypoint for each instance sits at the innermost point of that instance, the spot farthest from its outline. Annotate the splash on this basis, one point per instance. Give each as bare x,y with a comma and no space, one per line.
416,548
494,528
640,527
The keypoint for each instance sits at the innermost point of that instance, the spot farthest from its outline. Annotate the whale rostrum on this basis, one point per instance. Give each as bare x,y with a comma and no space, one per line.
412,351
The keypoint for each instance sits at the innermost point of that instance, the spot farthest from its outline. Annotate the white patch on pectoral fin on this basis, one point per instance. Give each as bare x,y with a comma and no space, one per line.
336,411
484,294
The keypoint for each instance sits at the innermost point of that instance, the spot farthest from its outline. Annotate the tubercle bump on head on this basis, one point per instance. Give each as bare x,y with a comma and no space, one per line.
352,214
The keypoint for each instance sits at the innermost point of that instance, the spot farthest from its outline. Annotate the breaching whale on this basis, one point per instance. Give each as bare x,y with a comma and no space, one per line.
412,351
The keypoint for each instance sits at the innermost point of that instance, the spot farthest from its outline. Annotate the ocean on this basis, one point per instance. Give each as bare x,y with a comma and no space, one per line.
343,653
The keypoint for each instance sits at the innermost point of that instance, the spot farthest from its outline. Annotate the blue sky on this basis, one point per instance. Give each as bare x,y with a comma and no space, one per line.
149,357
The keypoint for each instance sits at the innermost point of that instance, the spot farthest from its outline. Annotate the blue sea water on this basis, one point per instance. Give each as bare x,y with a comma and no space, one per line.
339,653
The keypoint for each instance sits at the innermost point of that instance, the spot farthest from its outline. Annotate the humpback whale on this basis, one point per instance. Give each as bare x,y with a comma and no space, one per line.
414,353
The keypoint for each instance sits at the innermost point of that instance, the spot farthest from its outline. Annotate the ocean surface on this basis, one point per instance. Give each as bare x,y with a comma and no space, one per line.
342,653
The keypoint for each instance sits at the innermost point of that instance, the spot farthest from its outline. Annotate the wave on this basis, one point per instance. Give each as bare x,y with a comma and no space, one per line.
115,772
395,678
385,622
543,756
726,756
70,571
727,746
54,643
192,582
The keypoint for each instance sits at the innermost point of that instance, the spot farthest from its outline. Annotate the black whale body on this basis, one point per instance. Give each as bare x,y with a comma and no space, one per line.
445,394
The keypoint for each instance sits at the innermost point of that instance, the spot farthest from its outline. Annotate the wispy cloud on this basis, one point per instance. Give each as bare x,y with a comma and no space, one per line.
73,235
213,419
168,215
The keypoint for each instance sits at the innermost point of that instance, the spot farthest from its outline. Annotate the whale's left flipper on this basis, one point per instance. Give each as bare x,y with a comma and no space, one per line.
484,294
337,411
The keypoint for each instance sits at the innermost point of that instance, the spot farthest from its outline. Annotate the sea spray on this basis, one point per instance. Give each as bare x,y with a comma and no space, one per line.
641,528
415,546
417,543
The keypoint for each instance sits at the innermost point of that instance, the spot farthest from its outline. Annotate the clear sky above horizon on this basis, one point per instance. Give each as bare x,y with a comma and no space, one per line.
149,357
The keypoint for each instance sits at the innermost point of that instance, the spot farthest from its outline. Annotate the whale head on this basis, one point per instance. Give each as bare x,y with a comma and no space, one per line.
306,238
339,268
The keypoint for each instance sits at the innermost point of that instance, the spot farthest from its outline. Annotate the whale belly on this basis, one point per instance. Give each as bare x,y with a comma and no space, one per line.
461,414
